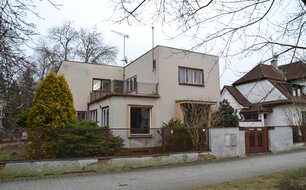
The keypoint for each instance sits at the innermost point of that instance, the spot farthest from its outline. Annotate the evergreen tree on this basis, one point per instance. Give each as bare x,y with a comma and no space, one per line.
53,104
225,116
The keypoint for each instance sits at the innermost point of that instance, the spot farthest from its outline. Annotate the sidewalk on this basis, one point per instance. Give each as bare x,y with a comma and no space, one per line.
174,177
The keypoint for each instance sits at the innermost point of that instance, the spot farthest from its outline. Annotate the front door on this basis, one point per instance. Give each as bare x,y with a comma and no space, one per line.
256,140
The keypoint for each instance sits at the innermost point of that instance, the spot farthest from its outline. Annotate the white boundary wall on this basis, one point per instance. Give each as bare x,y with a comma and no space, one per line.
227,142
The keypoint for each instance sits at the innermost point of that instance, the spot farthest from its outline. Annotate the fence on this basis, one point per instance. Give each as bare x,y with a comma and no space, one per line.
40,143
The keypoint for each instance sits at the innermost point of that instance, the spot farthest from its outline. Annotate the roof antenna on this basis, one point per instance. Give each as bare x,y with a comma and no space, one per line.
125,60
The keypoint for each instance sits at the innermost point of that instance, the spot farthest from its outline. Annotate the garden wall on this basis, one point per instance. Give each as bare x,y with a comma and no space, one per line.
226,142
281,139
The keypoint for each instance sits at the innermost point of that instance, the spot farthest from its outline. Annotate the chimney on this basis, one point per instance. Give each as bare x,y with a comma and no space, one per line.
274,61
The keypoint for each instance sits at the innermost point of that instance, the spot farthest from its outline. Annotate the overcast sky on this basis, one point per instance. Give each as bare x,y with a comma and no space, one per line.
98,13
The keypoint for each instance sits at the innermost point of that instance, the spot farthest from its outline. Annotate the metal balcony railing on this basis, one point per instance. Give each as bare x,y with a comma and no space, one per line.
120,87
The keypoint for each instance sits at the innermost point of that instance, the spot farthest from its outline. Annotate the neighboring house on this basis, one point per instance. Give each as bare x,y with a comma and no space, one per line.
138,98
270,95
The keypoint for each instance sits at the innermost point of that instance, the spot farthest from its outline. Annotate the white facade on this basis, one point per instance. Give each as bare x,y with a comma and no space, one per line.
272,103
158,89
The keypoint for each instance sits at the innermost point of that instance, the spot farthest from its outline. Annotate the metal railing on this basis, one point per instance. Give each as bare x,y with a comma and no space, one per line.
118,87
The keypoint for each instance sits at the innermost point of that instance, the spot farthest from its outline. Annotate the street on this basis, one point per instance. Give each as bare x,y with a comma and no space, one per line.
185,176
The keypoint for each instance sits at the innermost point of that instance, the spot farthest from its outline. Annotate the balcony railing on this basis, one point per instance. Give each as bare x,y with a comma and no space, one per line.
120,87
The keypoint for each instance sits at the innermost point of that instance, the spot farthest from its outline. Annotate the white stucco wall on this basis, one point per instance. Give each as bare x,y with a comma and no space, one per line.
226,95
284,115
260,91
168,62
280,139
79,77
221,147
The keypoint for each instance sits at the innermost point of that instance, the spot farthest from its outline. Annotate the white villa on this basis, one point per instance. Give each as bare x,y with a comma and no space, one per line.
142,95
270,95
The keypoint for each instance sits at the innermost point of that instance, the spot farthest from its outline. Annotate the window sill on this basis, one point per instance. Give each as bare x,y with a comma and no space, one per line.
140,136
198,85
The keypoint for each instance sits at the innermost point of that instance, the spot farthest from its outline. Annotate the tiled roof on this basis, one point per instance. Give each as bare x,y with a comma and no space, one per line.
294,71
261,71
255,108
237,96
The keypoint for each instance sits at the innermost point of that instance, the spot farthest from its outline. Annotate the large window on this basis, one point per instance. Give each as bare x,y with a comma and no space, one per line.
93,115
105,117
140,119
101,85
191,76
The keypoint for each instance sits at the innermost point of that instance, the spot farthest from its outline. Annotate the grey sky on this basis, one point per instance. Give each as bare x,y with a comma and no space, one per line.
97,13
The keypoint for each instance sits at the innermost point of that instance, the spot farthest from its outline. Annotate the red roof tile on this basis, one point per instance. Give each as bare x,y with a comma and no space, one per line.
237,96
261,71
294,71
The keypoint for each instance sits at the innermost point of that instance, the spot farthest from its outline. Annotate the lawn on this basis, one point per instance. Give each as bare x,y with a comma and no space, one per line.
275,181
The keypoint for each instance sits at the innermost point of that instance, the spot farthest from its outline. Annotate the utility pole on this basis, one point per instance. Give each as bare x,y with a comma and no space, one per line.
124,37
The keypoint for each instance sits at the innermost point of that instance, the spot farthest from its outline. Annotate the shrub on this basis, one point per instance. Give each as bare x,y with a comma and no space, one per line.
177,137
79,139
21,118
53,104
225,116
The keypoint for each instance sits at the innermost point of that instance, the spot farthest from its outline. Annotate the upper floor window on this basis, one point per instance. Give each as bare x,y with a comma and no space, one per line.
101,85
191,76
131,84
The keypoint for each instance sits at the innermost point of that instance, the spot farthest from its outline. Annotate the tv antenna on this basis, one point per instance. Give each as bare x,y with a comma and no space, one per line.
124,37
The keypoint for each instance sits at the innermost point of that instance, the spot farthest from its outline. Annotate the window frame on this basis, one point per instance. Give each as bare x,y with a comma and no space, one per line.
149,134
101,85
95,120
188,83
132,81
105,108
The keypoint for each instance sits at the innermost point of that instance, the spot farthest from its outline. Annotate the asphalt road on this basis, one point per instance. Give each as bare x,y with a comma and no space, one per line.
175,177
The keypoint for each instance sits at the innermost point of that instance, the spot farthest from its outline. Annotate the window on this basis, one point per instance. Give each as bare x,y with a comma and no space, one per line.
251,117
93,115
131,84
101,85
105,117
81,115
191,76
140,119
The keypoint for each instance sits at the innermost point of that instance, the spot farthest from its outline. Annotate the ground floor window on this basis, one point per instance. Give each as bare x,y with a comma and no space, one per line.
81,115
304,117
140,119
105,117
93,115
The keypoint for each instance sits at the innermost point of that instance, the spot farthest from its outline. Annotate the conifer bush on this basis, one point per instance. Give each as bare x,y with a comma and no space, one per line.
55,129
53,104
177,138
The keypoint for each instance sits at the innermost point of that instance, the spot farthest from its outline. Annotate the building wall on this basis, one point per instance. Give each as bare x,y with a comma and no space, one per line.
168,61
260,91
119,120
79,77
284,115
227,142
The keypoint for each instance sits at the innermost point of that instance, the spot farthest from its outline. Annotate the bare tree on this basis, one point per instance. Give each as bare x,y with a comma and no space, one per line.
64,38
46,58
266,26
196,117
91,48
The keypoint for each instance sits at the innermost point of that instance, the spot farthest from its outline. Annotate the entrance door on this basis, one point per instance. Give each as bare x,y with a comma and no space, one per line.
256,140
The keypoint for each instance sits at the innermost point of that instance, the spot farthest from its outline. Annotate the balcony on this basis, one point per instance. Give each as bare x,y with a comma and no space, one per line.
116,87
